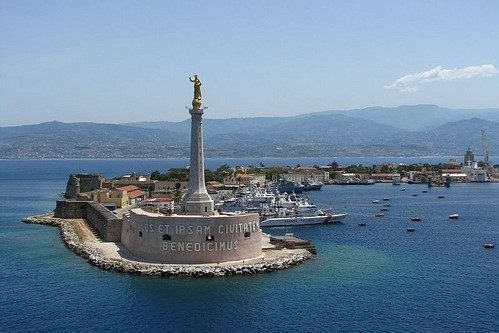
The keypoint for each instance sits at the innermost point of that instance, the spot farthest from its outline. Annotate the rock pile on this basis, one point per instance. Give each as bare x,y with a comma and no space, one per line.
96,258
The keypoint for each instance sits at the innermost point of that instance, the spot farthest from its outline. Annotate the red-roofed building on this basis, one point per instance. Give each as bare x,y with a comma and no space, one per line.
134,194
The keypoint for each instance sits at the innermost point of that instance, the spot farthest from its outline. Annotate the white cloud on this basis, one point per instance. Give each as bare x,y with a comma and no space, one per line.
412,81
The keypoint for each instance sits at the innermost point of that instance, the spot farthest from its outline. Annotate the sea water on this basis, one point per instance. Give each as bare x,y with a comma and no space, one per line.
373,278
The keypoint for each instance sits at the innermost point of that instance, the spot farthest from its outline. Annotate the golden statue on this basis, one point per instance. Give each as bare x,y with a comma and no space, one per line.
196,101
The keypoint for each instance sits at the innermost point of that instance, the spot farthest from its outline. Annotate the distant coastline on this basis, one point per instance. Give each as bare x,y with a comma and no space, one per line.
418,130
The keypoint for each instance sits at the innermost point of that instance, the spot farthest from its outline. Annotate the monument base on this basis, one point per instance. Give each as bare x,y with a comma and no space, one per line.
198,207
191,239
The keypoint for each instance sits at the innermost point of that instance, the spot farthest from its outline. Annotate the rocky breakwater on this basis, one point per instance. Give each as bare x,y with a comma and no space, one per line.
96,257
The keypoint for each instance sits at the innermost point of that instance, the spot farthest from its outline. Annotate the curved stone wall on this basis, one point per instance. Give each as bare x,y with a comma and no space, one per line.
191,239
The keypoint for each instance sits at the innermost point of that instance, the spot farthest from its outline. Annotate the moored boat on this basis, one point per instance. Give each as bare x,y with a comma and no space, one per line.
290,221
312,185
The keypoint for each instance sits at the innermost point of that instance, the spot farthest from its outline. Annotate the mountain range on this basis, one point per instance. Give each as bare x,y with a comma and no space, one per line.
418,130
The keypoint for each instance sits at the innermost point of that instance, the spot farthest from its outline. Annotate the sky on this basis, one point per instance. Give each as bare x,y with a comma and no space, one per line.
125,61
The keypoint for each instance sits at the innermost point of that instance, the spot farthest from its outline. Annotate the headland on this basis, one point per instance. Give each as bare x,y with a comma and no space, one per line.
80,237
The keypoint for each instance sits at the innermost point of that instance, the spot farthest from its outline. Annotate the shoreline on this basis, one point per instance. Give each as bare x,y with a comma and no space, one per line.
93,255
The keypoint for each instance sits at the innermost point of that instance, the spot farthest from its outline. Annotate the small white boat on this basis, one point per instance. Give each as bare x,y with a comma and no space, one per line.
454,216
415,219
488,245
380,214
375,201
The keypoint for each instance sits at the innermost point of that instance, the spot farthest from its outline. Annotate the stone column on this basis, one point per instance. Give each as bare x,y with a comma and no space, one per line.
197,201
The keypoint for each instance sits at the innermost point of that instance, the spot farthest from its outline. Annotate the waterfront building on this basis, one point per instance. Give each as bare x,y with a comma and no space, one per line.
380,177
303,173
200,234
244,179
469,157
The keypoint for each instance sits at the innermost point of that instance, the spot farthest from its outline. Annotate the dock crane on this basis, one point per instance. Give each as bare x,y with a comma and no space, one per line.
485,151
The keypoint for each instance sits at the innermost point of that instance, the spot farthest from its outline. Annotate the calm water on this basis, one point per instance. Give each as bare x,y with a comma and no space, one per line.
373,278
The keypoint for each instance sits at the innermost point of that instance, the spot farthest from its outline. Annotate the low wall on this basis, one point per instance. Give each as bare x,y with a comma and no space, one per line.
105,223
65,209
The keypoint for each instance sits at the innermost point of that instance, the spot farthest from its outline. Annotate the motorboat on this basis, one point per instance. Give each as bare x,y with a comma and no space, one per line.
375,201
415,219
312,185
379,214
453,216
410,229
489,245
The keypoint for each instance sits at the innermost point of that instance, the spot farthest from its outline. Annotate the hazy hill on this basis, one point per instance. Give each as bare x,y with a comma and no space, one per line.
318,134
417,117
57,139
463,134
213,127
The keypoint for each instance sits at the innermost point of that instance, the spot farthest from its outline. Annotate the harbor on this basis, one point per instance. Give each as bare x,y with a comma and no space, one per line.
354,264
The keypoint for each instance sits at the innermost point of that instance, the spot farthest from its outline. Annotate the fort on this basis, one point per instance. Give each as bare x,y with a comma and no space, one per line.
198,236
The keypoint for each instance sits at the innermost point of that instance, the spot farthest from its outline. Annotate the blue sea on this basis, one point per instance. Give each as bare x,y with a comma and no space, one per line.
377,278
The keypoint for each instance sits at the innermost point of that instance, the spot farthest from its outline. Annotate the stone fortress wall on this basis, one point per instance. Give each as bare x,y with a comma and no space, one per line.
191,239
107,225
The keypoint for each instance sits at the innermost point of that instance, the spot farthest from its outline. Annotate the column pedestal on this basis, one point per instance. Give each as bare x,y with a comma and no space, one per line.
197,201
